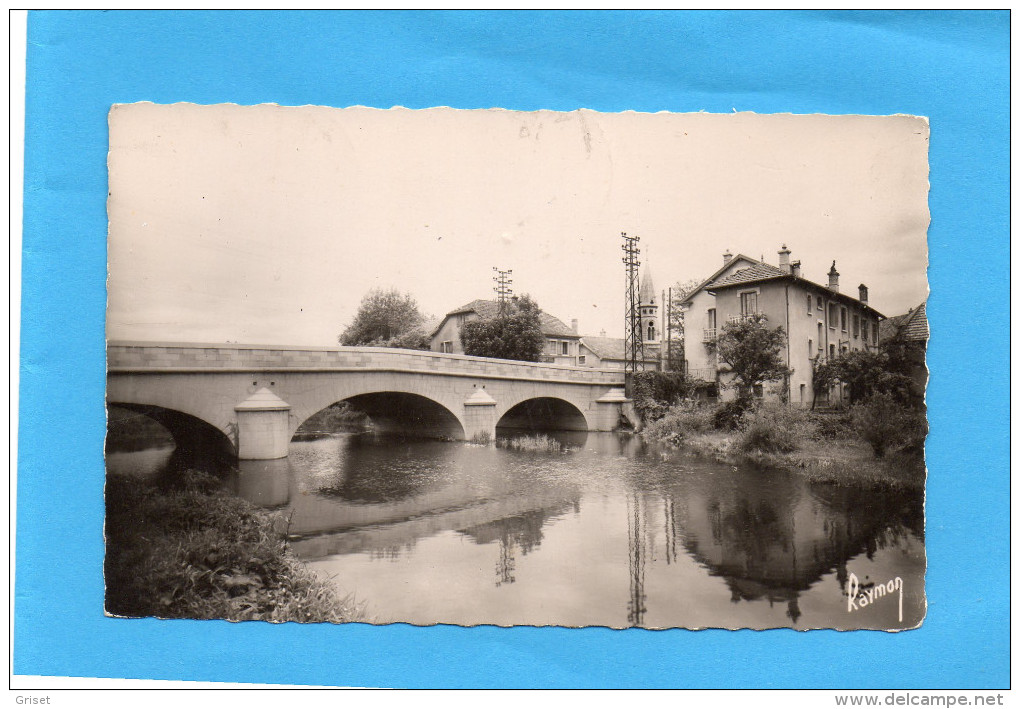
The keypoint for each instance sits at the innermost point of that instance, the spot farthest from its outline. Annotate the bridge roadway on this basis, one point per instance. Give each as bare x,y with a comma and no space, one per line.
248,400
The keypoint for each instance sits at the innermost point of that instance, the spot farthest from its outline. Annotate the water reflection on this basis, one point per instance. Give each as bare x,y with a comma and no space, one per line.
609,531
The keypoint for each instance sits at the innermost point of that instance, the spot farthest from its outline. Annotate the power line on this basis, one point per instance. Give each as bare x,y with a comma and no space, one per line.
633,347
503,290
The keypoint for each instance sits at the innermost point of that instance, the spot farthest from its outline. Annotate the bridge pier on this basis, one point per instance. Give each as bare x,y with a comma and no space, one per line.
614,407
263,427
480,417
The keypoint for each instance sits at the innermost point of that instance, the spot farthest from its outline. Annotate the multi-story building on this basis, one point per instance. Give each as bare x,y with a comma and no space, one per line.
820,323
562,344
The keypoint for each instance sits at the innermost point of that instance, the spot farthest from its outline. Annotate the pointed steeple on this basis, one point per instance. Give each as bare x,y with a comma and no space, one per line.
647,289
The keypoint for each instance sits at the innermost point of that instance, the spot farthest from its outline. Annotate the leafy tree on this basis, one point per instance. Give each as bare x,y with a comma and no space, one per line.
752,351
514,333
867,373
387,318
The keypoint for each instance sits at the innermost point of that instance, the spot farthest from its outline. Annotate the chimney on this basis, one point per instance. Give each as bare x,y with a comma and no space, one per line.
727,257
863,291
784,260
573,325
795,268
834,278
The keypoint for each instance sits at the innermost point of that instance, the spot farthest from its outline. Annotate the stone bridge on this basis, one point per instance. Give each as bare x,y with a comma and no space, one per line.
248,400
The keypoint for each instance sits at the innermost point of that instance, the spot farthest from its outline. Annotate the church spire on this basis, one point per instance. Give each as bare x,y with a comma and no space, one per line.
647,289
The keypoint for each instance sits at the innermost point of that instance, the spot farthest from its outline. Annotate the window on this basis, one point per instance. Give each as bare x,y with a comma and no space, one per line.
651,331
748,303
447,347
874,331
581,359
833,314
844,349
832,351
802,393
810,348
759,392
553,345
821,305
857,325
864,331
564,347
809,304
842,319
711,319
821,335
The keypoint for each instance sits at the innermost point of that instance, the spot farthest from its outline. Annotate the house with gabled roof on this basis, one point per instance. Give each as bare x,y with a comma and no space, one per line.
562,344
700,321
820,323
912,326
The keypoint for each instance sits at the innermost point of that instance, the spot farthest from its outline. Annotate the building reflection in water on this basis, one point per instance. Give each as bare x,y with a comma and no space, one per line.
769,536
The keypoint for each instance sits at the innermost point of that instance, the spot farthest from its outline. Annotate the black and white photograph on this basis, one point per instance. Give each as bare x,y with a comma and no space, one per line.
492,367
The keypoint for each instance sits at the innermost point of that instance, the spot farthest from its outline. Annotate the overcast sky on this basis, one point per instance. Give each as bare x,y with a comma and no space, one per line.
268,224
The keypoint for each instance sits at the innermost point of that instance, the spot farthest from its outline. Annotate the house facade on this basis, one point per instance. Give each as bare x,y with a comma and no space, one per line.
609,353
701,323
820,323
562,343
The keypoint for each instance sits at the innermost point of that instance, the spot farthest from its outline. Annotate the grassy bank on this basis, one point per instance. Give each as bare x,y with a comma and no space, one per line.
190,551
825,448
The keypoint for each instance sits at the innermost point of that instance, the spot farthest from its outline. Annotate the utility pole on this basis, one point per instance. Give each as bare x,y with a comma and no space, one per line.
503,290
633,343
668,365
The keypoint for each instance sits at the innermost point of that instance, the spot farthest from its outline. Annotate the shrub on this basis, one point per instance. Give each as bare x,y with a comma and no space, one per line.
655,392
884,423
830,426
680,422
774,428
728,414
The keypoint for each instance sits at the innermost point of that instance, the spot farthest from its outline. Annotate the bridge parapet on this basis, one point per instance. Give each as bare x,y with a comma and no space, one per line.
169,357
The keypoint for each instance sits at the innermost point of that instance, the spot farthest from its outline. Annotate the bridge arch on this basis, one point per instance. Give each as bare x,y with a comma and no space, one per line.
198,442
544,413
391,411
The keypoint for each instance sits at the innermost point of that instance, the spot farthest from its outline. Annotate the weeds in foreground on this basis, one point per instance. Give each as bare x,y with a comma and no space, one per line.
538,443
188,552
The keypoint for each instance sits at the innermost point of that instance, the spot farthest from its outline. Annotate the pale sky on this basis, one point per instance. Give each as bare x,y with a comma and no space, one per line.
267,224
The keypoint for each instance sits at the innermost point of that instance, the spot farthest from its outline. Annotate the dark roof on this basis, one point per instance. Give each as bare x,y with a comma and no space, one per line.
715,275
609,347
758,272
913,324
485,309
766,272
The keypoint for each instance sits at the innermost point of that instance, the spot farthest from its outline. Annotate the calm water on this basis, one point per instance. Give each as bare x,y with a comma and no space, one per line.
611,532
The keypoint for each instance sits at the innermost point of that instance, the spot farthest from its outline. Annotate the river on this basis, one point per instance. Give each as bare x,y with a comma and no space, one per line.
609,531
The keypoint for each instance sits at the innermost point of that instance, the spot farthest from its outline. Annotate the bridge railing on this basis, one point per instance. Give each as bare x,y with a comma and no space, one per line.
155,356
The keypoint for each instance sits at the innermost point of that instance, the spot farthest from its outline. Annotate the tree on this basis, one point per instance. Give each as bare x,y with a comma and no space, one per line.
514,333
867,373
752,351
386,318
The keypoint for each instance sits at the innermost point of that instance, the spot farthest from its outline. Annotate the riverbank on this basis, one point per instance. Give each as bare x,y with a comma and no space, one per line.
837,462
189,550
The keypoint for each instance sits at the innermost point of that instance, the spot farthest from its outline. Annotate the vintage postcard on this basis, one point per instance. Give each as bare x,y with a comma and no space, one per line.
493,367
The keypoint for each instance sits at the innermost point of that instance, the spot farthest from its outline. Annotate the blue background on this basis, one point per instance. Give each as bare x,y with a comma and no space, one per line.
952,67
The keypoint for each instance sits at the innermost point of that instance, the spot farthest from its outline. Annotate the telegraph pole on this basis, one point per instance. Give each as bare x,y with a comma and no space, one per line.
634,346
503,290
